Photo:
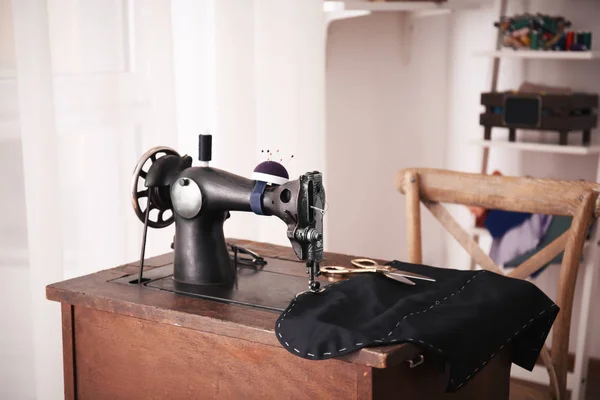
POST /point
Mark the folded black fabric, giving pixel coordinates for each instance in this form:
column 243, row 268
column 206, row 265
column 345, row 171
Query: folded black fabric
column 466, row 317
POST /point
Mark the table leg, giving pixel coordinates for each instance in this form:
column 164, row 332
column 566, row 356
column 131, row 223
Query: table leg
column 68, row 336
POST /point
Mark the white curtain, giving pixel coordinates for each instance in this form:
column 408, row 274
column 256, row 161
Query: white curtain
column 257, row 83
column 85, row 87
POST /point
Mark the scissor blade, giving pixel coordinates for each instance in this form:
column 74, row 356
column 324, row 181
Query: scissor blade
column 412, row 275
column 399, row 278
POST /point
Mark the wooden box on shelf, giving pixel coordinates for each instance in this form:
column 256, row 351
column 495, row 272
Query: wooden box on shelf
column 562, row 113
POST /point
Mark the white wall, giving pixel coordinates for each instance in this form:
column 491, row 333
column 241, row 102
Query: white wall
column 386, row 110
column 469, row 76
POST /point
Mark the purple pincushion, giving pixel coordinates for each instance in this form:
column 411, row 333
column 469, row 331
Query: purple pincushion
column 270, row 172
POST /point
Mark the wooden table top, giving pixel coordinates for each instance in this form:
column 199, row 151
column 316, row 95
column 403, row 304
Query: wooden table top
column 231, row 320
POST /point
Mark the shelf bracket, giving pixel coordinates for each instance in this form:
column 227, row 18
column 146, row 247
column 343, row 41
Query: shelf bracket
column 336, row 10
column 406, row 33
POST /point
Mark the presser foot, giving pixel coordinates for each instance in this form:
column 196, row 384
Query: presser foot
column 313, row 271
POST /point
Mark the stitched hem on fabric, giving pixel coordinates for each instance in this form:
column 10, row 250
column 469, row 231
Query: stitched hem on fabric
column 410, row 340
column 384, row 339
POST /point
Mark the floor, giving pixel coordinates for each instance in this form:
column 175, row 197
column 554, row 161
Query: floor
column 522, row 390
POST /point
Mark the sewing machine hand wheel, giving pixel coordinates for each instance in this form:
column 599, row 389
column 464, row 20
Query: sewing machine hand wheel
column 153, row 194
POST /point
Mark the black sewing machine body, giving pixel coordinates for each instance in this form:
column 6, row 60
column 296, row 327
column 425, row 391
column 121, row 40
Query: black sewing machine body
column 201, row 254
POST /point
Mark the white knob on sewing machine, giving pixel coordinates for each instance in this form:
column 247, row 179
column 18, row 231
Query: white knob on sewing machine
column 186, row 197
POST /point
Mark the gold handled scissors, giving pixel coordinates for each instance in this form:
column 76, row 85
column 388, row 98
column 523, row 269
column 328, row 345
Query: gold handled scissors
column 367, row 265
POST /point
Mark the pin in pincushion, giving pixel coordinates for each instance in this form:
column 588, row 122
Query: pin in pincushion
column 270, row 172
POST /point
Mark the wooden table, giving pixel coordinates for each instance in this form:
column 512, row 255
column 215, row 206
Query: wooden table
column 131, row 342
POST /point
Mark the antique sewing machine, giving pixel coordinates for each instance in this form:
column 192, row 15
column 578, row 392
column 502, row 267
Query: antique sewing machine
column 130, row 333
column 166, row 189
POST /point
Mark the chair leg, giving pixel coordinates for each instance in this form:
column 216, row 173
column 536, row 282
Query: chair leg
column 413, row 217
column 566, row 286
column 581, row 351
column 547, row 359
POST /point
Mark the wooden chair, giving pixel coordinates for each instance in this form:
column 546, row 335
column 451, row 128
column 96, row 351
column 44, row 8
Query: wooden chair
column 543, row 196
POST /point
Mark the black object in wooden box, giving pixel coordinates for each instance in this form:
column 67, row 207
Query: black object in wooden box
column 562, row 113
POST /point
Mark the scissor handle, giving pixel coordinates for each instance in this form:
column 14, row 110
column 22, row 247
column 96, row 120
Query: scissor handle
column 364, row 263
column 334, row 269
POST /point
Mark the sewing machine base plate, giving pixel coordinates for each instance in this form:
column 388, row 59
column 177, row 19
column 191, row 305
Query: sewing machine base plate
column 255, row 288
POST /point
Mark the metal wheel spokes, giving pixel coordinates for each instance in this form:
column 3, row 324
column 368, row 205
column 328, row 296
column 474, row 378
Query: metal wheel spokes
column 161, row 217
column 140, row 191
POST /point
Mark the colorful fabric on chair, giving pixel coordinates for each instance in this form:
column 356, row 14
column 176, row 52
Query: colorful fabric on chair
column 520, row 239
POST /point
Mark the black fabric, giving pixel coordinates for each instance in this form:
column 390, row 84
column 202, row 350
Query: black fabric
column 466, row 317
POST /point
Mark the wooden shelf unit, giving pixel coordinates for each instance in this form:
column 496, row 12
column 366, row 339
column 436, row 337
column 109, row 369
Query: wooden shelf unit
column 576, row 380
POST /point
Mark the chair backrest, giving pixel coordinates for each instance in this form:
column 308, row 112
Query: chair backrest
column 541, row 196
